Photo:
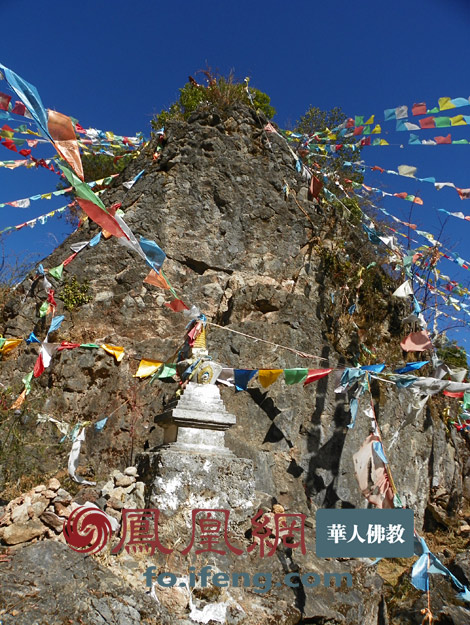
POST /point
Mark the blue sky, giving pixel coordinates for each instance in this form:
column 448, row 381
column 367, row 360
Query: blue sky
column 114, row 65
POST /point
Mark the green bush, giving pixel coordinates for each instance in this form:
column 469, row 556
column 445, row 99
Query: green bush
column 221, row 92
column 452, row 354
column 74, row 294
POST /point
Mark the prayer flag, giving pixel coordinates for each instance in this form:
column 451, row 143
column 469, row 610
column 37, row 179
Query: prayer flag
column 156, row 279
column 64, row 140
column 114, row 350
column 316, row 374
column 147, row 367
column 267, row 377
column 293, row 376
column 177, row 305
column 242, row 377
column 445, row 104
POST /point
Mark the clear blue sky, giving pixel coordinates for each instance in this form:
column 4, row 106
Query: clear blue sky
column 113, row 65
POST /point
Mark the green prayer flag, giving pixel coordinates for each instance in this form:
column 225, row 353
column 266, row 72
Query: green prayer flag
column 294, row 376
column 442, row 122
column 43, row 309
column 433, row 111
column 358, row 120
column 168, row 371
column 27, row 381
column 460, row 142
column 56, row 272
column 466, row 401
column 90, row 345
column 366, row 130
column 81, row 188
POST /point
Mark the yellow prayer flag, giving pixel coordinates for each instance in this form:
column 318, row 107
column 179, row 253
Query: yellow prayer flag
column 377, row 129
column 370, row 120
column 147, row 367
column 46, row 196
column 383, row 142
column 114, row 350
column 9, row 344
column 445, row 104
column 332, row 136
column 266, row 377
column 458, row 120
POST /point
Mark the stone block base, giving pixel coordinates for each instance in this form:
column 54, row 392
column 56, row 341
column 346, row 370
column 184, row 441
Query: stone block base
column 179, row 482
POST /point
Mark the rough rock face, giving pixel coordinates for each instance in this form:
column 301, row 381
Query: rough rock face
column 259, row 263
column 49, row 584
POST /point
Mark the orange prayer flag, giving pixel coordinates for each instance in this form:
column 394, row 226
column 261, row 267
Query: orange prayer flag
column 157, row 280
column 65, row 142
column 19, row 401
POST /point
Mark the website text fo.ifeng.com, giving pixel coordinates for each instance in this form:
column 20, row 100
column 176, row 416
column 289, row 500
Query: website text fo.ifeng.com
column 258, row 582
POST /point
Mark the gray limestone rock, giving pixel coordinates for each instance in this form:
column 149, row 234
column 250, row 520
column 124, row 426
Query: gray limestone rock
column 255, row 263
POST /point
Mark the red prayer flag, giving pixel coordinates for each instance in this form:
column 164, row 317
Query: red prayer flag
column 443, row 140
column 315, row 187
column 177, row 305
column 377, row 168
column 315, row 374
column 38, row 367
column 419, row 109
column 112, row 209
column 427, row 122
column 350, row 123
column 25, row 152
column 19, row 108
column 416, row 342
column 101, row 217
column 67, row 345
column 50, row 297
column 69, row 259
column 4, row 101
column 358, row 130
column 450, row 394
column 401, row 195
column 8, row 143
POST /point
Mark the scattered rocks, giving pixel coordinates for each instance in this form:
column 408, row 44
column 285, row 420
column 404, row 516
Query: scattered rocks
column 17, row 533
column 53, row 484
column 125, row 480
column 40, row 514
column 52, row 520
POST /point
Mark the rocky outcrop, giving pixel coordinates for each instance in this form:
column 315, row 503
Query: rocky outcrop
column 264, row 264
